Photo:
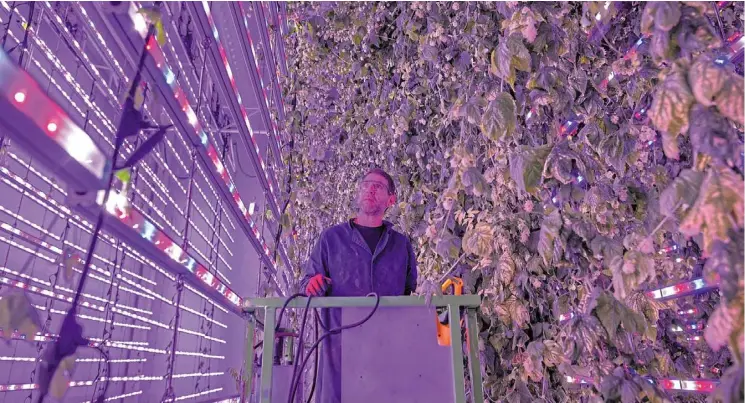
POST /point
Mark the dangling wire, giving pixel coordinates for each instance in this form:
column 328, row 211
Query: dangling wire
column 71, row 333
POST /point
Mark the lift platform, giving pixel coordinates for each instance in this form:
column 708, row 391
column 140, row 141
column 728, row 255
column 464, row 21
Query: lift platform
column 393, row 357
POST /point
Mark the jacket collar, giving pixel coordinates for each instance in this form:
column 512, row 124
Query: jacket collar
column 386, row 224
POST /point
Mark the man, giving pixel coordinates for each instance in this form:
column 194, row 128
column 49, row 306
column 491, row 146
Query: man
column 355, row 258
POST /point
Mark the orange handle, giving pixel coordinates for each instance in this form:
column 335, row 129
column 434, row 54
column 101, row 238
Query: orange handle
column 454, row 282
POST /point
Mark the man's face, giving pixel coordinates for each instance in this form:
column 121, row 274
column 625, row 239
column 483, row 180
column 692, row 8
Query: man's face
column 373, row 195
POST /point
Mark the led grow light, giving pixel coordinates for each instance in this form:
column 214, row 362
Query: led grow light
column 701, row 385
column 28, row 122
column 159, row 59
column 683, row 289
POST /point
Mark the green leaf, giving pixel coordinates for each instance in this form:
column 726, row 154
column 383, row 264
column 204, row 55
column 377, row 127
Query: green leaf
column 660, row 46
column 474, row 182
column 124, row 175
column 448, row 246
column 549, row 232
column 526, row 167
column 499, row 118
column 670, row 145
column 729, row 101
column 667, row 15
column 706, row 79
column 647, row 23
column 669, row 109
column 524, row 22
column 612, row 314
column 18, row 314
column 679, row 197
column 506, row 268
column 286, row 222
column 510, row 55
column 633, row 270
column 612, row 148
column 722, row 322
column 718, row 208
column 479, row 240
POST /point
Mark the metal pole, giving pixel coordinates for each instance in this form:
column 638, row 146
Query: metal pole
column 456, row 347
column 474, row 367
column 248, row 370
column 185, row 244
column 267, row 358
column 169, row 394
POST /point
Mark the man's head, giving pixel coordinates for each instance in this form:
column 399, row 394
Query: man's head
column 375, row 193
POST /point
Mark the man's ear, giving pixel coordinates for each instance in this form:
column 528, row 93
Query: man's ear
column 391, row 200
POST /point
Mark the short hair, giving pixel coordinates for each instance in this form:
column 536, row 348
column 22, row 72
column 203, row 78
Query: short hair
column 388, row 178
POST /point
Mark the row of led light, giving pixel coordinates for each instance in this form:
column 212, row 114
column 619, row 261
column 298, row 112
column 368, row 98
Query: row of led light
column 120, row 344
column 182, row 306
column 214, row 283
column 137, row 378
column 49, row 337
column 122, row 396
column 699, row 284
column 255, row 60
column 132, row 218
column 198, row 394
column 116, row 306
column 45, row 197
column 93, row 318
column 84, row 96
column 121, row 72
column 109, row 125
column 185, row 73
column 704, row 386
column 108, row 262
column 157, row 53
column 43, row 177
column 20, row 97
column 276, row 62
column 666, row 292
column 59, row 287
column 47, row 74
column 245, row 116
column 113, row 361
column 59, row 253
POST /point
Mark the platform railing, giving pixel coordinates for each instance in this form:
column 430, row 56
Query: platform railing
column 453, row 303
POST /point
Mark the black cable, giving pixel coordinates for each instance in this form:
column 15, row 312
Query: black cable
column 315, row 358
column 296, row 381
column 102, row 396
column 300, row 341
column 70, row 335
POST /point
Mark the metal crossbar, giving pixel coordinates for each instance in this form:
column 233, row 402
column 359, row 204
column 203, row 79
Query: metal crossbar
column 453, row 303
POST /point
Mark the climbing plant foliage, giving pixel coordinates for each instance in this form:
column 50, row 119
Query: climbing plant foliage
column 563, row 158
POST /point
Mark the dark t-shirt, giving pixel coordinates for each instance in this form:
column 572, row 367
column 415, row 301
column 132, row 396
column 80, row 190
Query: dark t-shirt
column 371, row 234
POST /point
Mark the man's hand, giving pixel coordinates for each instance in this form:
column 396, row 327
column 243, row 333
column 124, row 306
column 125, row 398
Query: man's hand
column 317, row 286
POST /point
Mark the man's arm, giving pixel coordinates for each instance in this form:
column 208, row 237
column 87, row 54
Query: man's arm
column 316, row 263
column 411, row 271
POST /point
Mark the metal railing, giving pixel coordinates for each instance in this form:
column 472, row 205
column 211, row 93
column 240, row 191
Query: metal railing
column 453, row 303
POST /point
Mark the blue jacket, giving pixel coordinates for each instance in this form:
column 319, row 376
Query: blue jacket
column 342, row 255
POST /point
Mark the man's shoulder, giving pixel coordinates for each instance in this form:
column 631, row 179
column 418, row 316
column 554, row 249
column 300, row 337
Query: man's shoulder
column 335, row 230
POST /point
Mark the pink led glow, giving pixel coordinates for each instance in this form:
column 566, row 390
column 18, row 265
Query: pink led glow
column 20, row 97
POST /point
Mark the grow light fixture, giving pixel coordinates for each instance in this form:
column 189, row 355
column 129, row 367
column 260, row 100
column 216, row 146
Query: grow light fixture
column 695, row 385
column 46, row 131
column 175, row 98
column 42, row 128
column 683, row 289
